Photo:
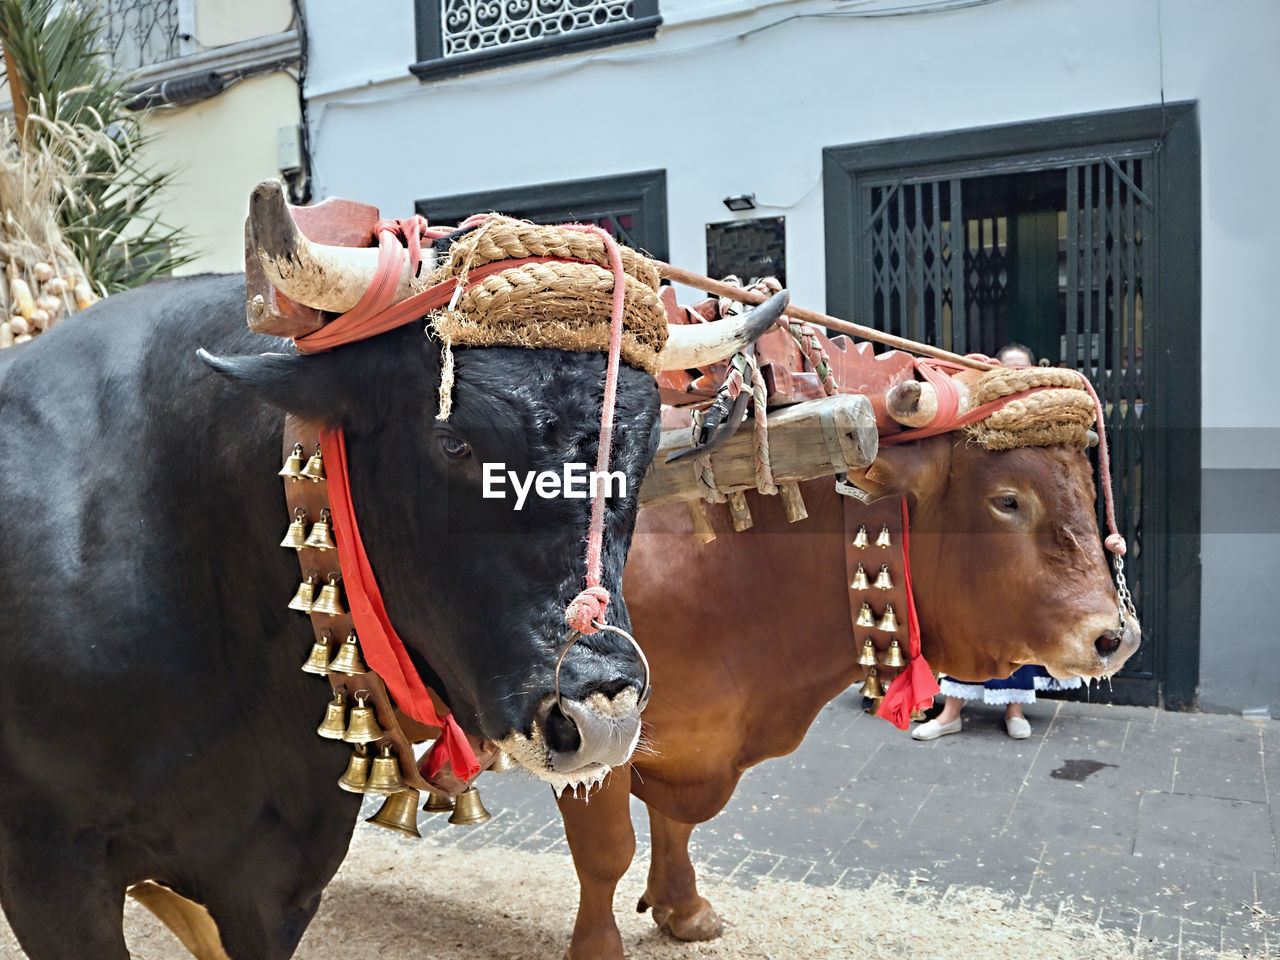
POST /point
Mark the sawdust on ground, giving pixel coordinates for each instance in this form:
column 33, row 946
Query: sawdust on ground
column 416, row 900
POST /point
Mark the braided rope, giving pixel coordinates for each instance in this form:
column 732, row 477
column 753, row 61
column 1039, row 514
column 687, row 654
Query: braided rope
column 763, row 461
column 503, row 238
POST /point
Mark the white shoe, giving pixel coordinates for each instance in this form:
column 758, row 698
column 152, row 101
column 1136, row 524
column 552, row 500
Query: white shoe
column 932, row 729
column 1018, row 727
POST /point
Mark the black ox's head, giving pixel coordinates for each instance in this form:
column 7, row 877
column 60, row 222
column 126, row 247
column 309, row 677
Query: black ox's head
column 476, row 550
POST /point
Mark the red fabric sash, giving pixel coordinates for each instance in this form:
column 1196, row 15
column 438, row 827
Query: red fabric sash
column 382, row 647
column 914, row 688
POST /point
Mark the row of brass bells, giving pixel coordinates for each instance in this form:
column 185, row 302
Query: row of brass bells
column 468, row 810
column 319, row 538
column 860, row 581
column 438, row 803
column 348, row 660
column 357, row 774
column 868, row 656
column 883, row 539
column 399, row 812
column 293, row 468
column 328, row 602
column 888, row 623
column 871, row 688
column 866, row 618
column 363, row 725
column 893, row 656
column 305, row 597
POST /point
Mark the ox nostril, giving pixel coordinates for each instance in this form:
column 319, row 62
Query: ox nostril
column 560, row 732
column 611, row 688
column 1107, row 644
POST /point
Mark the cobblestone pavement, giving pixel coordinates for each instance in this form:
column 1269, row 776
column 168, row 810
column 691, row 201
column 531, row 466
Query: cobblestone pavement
column 1162, row 825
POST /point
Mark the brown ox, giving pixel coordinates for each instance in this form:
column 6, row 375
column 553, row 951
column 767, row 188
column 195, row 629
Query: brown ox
column 750, row 635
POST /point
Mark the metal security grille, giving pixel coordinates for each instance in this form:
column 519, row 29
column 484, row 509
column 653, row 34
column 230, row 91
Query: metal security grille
column 951, row 261
column 139, row 33
column 1105, row 258
column 468, row 26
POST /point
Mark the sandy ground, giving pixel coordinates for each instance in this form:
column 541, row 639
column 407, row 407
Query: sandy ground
column 415, row 900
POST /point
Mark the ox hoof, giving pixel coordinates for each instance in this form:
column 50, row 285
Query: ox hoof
column 703, row 924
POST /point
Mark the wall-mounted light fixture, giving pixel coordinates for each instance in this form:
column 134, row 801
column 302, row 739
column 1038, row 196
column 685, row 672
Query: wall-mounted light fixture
column 743, row 201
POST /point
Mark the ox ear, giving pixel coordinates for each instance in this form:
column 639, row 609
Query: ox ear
column 313, row 387
column 918, row 468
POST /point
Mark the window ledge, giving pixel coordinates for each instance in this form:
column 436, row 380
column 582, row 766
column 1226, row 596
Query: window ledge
column 248, row 55
column 643, row 28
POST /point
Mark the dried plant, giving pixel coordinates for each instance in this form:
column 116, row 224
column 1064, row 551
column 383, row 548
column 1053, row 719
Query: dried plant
column 82, row 146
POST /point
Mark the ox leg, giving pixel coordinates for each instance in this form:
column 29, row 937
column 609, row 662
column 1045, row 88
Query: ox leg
column 602, row 842
column 62, row 906
column 672, row 890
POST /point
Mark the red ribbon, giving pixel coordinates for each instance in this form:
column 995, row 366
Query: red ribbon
column 383, row 649
column 914, row 688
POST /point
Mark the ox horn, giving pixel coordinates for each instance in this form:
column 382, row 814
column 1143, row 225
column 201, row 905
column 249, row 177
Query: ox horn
column 313, row 274
column 691, row 345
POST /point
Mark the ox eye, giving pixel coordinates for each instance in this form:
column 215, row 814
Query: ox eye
column 454, row 447
column 1005, row 504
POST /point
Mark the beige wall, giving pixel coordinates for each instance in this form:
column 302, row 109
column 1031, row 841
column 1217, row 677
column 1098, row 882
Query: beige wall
column 220, row 149
column 220, row 22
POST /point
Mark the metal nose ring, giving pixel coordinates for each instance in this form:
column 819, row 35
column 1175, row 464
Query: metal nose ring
column 576, row 635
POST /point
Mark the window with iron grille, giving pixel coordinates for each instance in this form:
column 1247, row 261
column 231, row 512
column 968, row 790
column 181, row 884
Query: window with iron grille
column 141, row 33
column 631, row 206
column 459, row 36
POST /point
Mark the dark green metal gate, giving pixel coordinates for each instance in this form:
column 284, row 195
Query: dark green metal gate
column 1058, row 249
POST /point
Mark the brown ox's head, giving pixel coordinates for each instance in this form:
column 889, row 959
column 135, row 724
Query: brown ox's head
column 1007, row 566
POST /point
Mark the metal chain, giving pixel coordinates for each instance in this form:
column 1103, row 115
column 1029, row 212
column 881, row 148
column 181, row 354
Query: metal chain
column 1127, row 608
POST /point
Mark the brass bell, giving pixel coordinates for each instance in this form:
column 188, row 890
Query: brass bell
column 860, row 541
column 328, row 602
column 438, row 803
column 859, row 581
column 468, row 810
column 501, row 763
column 292, row 469
column 357, row 774
column 318, row 662
column 348, row 660
column 871, row 688
column 399, row 812
column 865, row 617
column 314, row 470
column 363, row 725
column 319, row 537
column 384, row 777
column 296, row 536
column 893, row 657
column 882, row 539
column 882, row 578
column 334, row 724
column 888, row 623
column 868, row 657
column 305, row 597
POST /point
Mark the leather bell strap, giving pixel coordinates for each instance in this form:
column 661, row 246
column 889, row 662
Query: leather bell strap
column 391, row 681
column 914, row 687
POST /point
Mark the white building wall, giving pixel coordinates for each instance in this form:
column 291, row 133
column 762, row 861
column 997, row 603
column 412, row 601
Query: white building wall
column 736, row 98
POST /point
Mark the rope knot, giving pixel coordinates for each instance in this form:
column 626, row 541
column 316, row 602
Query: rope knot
column 1115, row 544
column 586, row 608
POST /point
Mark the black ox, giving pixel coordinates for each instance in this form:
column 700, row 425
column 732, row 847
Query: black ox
column 154, row 723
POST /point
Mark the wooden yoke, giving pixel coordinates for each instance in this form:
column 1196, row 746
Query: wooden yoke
column 337, row 222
